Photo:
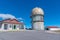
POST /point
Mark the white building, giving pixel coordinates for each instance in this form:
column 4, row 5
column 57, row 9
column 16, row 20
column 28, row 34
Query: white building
column 10, row 24
column 37, row 17
column 52, row 28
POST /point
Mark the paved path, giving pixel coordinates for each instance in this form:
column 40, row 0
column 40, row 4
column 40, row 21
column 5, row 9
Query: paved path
column 29, row 35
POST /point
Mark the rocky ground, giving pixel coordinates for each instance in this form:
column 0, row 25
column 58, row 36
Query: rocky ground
column 29, row 35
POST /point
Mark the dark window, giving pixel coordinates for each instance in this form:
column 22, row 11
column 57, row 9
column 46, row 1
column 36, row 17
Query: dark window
column 0, row 25
column 21, row 26
column 5, row 26
column 10, row 26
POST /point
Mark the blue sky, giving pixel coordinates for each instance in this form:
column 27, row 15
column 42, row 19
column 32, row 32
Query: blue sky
column 23, row 8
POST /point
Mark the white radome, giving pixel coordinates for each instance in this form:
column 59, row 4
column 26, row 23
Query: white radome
column 37, row 10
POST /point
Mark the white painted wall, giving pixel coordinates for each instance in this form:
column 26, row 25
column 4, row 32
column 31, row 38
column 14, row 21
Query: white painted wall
column 54, row 29
column 17, row 26
column 10, row 28
column 2, row 28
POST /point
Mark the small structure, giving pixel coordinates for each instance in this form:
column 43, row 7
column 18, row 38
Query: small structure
column 52, row 28
column 11, row 24
column 37, row 17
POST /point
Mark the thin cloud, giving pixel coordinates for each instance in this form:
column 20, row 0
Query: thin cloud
column 20, row 18
column 6, row 16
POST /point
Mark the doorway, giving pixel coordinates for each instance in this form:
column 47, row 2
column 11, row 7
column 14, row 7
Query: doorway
column 14, row 26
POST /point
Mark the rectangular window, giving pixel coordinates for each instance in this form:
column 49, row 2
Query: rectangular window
column 10, row 25
column 21, row 27
column 0, row 25
column 5, row 26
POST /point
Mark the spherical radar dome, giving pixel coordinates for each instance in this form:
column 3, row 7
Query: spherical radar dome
column 37, row 10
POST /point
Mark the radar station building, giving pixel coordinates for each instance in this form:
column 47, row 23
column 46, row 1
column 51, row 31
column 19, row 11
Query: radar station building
column 37, row 18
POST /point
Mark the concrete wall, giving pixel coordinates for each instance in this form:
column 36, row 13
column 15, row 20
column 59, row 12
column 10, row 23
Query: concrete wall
column 38, row 25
